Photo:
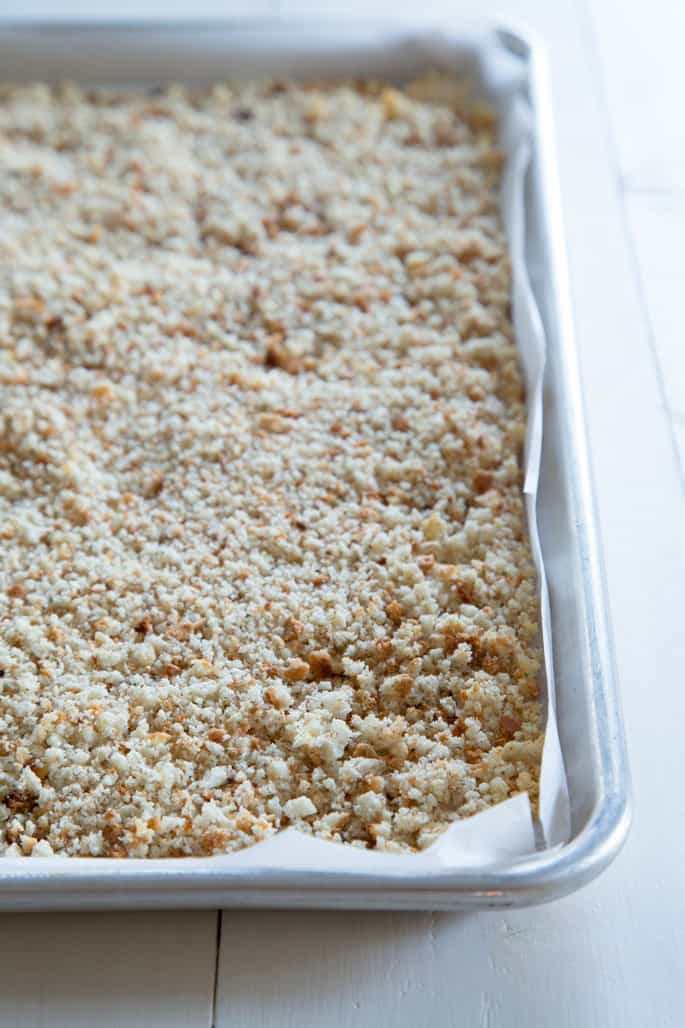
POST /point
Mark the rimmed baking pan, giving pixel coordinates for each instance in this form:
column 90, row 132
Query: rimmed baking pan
column 589, row 719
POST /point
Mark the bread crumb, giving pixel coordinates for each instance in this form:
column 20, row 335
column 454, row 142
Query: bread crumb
column 264, row 543
column 300, row 806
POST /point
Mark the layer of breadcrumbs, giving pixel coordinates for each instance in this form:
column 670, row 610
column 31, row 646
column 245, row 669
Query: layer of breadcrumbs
column 265, row 560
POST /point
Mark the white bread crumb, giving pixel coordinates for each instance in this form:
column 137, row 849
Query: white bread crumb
column 264, row 545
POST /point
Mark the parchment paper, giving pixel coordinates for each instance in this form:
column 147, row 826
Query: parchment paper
column 506, row 830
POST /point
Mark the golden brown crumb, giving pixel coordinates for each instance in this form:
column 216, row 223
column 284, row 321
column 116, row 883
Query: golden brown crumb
column 264, row 545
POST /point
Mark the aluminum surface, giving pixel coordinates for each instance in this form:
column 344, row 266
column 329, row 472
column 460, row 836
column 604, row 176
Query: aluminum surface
column 589, row 716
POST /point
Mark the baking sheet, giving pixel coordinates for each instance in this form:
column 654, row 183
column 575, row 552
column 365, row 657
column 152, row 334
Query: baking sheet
column 506, row 830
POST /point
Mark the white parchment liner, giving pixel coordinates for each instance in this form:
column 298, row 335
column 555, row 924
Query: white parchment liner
column 506, row 830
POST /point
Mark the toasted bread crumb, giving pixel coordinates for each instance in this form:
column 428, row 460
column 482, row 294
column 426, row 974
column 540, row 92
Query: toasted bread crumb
column 264, row 545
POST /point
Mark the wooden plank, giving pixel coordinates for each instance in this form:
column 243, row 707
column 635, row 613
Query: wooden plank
column 541, row 967
column 641, row 50
column 657, row 221
column 315, row 969
column 115, row 970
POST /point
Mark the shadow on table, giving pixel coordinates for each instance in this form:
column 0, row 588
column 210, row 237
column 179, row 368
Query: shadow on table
column 323, row 967
column 145, row 969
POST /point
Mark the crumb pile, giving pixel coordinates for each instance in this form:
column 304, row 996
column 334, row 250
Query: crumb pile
column 264, row 550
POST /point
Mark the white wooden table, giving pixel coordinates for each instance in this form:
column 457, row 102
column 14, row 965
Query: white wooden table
column 613, row 955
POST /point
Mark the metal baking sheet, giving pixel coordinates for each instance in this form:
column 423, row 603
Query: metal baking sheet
column 588, row 714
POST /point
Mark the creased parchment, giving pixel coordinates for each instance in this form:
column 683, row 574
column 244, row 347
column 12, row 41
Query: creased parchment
column 506, row 830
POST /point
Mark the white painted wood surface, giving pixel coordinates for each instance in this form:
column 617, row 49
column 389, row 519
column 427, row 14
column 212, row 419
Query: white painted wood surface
column 612, row 955
column 641, row 47
column 123, row 970
column 657, row 222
